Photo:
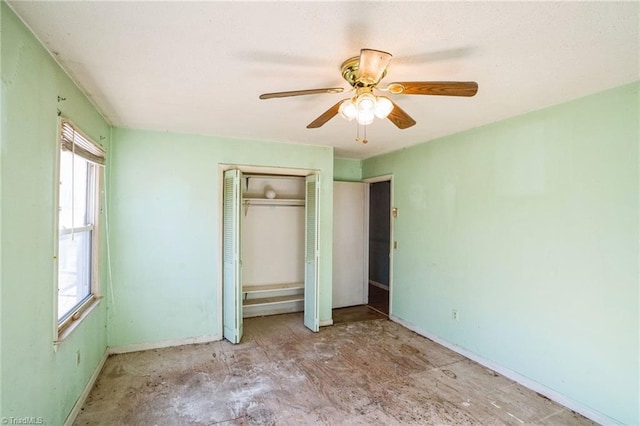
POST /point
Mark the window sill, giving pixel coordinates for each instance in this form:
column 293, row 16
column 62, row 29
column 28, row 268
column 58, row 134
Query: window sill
column 83, row 312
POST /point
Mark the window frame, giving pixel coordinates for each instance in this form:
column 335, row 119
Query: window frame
column 64, row 326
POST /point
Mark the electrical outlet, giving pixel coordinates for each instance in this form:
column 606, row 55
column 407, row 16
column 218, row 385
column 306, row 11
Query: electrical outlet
column 78, row 358
column 454, row 314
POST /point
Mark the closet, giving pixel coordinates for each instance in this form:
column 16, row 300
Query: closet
column 272, row 244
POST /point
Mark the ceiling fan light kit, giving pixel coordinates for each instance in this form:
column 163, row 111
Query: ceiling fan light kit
column 363, row 73
column 364, row 107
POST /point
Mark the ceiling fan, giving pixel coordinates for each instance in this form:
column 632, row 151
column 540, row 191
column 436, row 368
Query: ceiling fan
column 363, row 73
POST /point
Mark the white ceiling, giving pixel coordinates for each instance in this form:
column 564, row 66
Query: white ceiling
column 198, row 67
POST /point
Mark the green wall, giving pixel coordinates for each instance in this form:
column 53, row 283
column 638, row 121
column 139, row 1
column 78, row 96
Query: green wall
column 164, row 222
column 36, row 381
column 529, row 228
column 347, row 169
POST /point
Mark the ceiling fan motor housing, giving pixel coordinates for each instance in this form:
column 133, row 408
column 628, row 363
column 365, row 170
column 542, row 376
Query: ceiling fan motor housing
column 367, row 69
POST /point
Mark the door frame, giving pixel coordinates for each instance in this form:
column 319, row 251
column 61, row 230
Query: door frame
column 368, row 182
column 250, row 169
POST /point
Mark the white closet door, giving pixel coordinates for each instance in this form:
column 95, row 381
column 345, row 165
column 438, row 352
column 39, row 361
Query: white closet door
column 311, row 302
column 349, row 278
column 231, row 272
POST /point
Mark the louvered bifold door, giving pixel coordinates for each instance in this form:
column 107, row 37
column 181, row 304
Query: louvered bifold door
column 312, row 253
column 231, row 272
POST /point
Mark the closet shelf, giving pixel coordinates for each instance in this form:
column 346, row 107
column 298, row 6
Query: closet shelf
column 273, row 202
column 271, row 287
column 263, row 301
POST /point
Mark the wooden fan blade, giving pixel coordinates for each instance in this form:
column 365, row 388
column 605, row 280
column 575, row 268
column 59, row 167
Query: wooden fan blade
column 439, row 88
column 326, row 116
column 301, row 92
column 400, row 118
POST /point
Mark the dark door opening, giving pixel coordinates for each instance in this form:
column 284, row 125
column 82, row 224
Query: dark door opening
column 379, row 245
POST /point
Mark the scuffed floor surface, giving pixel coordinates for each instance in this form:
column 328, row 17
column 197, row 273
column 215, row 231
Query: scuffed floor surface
column 360, row 373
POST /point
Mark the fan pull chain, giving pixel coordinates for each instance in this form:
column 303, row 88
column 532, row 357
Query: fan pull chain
column 364, row 129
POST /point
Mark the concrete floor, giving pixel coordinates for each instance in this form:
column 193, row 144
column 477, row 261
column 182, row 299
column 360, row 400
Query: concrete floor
column 368, row 372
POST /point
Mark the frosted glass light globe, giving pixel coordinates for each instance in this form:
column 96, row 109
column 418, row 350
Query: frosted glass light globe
column 366, row 102
column 383, row 107
column 348, row 110
column 365, row 117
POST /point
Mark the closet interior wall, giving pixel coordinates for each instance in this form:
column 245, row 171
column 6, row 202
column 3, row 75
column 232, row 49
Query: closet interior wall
column 272, row 247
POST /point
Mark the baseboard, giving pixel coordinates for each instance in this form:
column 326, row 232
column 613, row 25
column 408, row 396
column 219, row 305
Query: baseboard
column 162, row 344
column 516, row 377
column 379, row 285
column 85, row 392
column 324, row 323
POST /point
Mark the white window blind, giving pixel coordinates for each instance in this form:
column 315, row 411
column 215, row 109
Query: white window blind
column 73, row 140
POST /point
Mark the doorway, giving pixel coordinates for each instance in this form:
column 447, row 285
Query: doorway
column 380, row 245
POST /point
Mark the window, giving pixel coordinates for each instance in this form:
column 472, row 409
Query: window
column 80, row 169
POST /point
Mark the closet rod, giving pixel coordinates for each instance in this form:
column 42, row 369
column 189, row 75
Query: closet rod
column 272, row 202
